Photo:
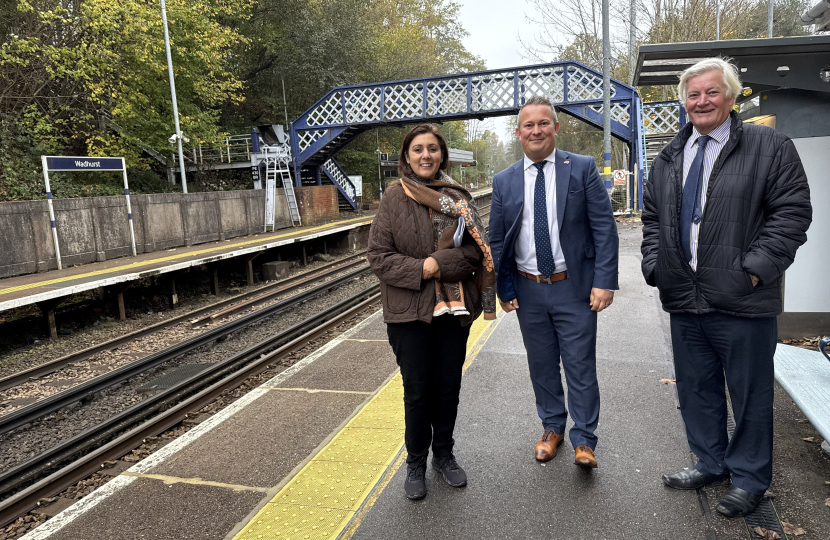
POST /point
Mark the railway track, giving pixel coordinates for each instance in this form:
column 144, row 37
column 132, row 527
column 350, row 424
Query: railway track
column 51, row 472
column 225, row 307
column 86, row 389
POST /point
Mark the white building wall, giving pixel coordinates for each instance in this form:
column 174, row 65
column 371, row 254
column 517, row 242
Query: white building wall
column 807, row 281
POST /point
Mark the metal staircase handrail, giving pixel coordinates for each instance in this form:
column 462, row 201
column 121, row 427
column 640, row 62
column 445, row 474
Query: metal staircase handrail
column 338, row 176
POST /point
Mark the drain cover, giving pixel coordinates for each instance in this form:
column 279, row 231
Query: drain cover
column 765, row 515
column 171, row 378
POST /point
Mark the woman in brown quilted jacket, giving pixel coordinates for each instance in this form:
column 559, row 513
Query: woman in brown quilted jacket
column 428, row 248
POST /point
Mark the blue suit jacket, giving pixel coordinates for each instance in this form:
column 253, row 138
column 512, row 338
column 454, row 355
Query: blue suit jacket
column 587, row 230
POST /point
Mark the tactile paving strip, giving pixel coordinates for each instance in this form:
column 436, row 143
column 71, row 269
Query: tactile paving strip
column 363, row 445
column 282, row 521
column 323, row 497
column 330, row 484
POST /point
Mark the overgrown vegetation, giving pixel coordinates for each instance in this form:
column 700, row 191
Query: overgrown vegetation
column 89, row 77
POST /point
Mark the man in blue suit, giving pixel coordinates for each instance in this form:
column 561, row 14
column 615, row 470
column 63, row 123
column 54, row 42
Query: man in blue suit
column 555, row 248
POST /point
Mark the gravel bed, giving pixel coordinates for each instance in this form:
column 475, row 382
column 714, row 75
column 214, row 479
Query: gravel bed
column 30, row 521
column 104, row 361
column 28, row 441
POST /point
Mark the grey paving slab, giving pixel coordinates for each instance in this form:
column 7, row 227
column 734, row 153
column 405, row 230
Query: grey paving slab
column 151, row 510
column 263, row 442
column 510, row 495
column 353, row 365
column 374, row 329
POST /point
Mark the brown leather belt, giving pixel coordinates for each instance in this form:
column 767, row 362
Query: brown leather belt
column 545, row 279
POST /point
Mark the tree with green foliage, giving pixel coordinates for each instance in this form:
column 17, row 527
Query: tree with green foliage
column 90, row 77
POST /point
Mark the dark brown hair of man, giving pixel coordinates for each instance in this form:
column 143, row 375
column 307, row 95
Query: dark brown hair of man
column 403, row 167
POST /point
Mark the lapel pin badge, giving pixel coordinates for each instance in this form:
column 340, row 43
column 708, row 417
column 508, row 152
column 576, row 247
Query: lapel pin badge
column 567, row 161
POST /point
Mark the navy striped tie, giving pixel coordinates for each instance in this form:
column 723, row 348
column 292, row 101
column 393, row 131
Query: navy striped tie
column 690, row 209
column 541, row 232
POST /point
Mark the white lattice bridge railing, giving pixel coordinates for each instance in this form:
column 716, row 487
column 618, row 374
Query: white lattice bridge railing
column 663, row 118
column 336, row 173
column 348, row 110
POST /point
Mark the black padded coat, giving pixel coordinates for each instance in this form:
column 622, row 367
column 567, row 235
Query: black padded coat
column 756, row 216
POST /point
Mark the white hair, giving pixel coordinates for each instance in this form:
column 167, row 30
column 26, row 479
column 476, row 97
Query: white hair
column 730, row 76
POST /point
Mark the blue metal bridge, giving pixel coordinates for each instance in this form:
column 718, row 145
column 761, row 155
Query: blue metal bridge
column 346, row 111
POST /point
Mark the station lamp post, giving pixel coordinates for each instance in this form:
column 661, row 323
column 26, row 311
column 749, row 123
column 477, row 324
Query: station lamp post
column 178, row 134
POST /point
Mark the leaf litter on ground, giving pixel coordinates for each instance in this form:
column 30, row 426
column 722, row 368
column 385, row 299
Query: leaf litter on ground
column 766, row 534
column 790, row 528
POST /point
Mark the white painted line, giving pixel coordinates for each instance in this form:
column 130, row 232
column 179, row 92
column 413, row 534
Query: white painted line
column 115, row 485
column 73, row 289
column 79, row 508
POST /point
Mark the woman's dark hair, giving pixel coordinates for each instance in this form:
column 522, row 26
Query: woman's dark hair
column 403, row 167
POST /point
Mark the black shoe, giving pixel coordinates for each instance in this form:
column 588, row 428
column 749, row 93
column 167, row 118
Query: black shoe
column 452, row 471
column 415, row 485
column 692, row 479
column 738, row 503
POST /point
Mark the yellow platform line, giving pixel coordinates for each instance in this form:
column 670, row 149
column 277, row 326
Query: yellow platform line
column 172, row 257
column 325, row 495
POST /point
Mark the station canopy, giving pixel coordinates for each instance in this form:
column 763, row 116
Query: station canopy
column 764, row 64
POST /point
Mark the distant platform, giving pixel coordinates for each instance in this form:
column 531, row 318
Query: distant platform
column 33, row 288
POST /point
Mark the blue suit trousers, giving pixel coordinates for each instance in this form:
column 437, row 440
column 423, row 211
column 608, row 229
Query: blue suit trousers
column 557, row 323
column 713, row 351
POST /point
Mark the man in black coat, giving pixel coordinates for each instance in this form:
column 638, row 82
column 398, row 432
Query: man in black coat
column 725, row 209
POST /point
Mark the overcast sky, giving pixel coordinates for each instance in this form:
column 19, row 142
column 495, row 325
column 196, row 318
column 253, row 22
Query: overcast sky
column 494, row 26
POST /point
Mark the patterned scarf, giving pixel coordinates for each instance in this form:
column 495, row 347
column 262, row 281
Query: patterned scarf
column 448, row 201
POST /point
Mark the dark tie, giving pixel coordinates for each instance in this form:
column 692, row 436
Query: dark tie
column 541, row 233
column 690, row 210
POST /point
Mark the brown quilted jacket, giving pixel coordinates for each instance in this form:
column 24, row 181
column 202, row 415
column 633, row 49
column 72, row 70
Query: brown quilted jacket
column 400, row 239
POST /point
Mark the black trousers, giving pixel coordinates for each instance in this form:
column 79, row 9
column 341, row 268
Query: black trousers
column 709, row 350
column 430, row 357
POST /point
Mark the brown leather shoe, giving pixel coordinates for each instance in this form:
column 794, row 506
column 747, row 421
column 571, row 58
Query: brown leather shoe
column 585, row 457
column 546, row 448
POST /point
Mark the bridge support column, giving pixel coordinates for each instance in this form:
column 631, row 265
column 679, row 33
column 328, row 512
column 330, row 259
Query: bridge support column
column 47, row 307
column 318, row 179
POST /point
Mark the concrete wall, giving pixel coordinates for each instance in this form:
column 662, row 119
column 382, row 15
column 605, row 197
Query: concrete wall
column 317, row 204
column 96, row 228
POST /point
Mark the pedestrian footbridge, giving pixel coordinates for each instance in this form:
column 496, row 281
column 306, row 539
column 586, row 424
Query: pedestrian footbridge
column 347, row 111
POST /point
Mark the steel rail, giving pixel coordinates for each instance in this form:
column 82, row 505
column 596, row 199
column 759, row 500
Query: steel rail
column 19, row 503
column 53, row 403
column 34, row 467
column 289, row 284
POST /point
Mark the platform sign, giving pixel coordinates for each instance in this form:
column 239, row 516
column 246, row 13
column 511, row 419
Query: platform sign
column 270, row 200
column 357, row 182
column 256, row 175
column 83, row 163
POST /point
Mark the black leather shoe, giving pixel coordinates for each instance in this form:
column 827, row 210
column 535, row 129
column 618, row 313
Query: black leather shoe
column 738, row 503
column 415, row 485
column 451, row 470
column 692, row 479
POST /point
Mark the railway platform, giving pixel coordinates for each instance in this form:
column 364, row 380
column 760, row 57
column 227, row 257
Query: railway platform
column 317, row 452
column 49, row 289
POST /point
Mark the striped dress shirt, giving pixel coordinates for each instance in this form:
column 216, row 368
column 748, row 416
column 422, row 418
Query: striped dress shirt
column 719, row 137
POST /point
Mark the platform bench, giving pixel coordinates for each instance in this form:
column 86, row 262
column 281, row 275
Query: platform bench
column 805, row 375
